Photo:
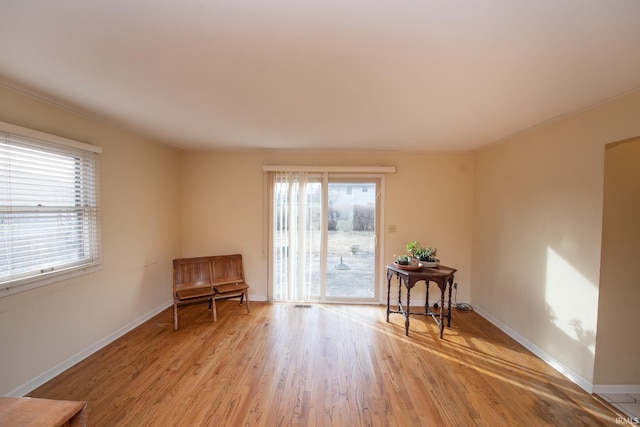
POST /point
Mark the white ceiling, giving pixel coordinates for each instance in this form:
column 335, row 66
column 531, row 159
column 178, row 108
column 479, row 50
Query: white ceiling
column 322, row 74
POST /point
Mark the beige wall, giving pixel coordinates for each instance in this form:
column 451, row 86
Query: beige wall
column 429, row 199
column 537, row 231
column 618, row 345
column 529, row 210
column 44, row 327
column 220, row 194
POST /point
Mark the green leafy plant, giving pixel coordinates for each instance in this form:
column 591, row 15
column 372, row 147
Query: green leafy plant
column 402, row 260
column 427, row 254
column 413, row 248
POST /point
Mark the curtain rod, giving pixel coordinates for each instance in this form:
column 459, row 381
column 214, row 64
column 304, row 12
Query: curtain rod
column 343, row 169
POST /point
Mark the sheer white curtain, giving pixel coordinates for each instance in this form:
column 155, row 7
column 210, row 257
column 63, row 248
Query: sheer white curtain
column 295, row 236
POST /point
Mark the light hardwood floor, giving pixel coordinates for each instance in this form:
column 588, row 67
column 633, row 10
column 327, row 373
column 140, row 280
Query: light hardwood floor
column 327, row 365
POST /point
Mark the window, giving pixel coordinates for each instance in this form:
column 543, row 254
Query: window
column 49, row 208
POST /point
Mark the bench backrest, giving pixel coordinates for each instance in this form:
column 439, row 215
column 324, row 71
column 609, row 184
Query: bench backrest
column 213, row 270
column 192, row 272
column 227, row 269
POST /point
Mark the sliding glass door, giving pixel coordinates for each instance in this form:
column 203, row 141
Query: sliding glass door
column 323, row 244
column 351, row 239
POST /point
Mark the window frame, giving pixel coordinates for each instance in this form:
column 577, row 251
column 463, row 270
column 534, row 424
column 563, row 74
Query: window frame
column 48, row 143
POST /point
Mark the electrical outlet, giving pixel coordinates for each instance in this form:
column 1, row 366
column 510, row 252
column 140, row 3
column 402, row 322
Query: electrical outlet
column 392, row 229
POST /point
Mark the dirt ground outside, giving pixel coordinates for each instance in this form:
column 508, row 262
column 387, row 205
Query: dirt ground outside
column 350, row 264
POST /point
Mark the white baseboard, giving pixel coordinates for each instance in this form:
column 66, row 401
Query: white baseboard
column 78, row 357
column 258, row 298
column 63, row 366
column 549, row 359
column 560, row 367
column 573, row 376
column 616, row 388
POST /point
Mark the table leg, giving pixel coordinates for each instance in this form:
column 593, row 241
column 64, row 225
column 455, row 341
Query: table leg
column 449, row 312
column 388, row 296
column 426, row 298
column 441, row 313
column 408, row 309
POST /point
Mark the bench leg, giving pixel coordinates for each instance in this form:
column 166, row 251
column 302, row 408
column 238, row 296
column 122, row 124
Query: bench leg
column 246, row 302
column 175, row 316
column 215, row 314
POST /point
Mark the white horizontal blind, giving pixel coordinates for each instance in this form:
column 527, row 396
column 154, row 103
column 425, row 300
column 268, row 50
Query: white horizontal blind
column 49, row 209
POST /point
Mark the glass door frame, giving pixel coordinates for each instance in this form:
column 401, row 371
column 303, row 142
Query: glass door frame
column 378, row 179
column 325, row 177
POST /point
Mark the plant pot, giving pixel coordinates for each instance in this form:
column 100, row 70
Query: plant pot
column 430, row 264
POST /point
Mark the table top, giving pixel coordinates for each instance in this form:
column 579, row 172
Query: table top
column 440, row 271
column 25, row 411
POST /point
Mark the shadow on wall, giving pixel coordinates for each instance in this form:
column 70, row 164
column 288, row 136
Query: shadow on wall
column 584, row 339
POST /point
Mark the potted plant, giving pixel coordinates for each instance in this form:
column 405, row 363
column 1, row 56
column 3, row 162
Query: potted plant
column 402, row 260
column 418, row 256
column 427, row 256
column 413, row 248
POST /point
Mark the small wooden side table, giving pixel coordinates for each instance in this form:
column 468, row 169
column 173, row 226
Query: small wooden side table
column 441, row 275
column 32, row 412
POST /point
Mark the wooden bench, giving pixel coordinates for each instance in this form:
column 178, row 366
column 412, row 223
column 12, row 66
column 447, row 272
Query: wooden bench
column 208, row 279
